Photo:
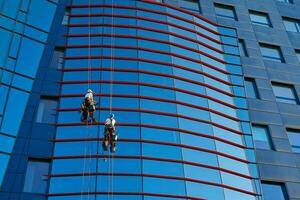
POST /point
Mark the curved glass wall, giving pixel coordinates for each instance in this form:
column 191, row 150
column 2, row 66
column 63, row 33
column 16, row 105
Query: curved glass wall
column 179, row 126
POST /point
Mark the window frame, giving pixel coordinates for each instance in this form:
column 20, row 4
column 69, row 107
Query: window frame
column 268, row 136
column 284, row 85
column 255, row 89
column 282, row 185
column 296, row 23
column 39, row 117
column 260, row 14
column 242, row 47
column 297, row 131
column 279, row 59
column 225, row 7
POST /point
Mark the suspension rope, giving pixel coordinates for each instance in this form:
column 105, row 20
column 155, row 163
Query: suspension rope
column 87, row 148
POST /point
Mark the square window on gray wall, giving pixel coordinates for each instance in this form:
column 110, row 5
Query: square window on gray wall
column 274, row 191
column 261, row 137
column 292, row 25
column 47, row 110
column 251, row 89
column 286, row 1
column 192, row 5
column 242, row 48
column 294, row 138
column 225, row 11
column 271, row 52
column 35, row 179
column 298, row 55
column 285, row 93
column 260, row 18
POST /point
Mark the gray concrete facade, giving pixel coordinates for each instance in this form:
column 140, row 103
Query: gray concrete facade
column 281, row 164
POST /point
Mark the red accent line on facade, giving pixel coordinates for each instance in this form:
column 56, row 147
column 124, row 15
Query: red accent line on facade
column 161, row 177
column 146, row 49
column 166, row 143
column 154, row 11
column 145, row 28
column 149, row 158
column 123, row 193
column 175, row 102
column 140, row 60
column 145, row 38
column 167, row 114
column 149, row 85
column 181, row 10
column 147, row 19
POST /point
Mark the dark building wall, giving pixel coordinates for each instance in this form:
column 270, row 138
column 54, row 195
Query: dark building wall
column 279, row 165
column 32, row 141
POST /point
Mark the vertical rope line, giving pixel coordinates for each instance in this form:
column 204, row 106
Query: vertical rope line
column 111, row 92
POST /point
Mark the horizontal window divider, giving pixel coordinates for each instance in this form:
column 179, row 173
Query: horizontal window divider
column 144, row 71
column 145, row 38
column 156, row 12
column 146, row 49
column 149, row 85
column 162, row 177
column 141, row 60
column 144, row 28
column 147, row 19
column 123, row 193
column 161, row 100
column 176, row 145
column 163, row 113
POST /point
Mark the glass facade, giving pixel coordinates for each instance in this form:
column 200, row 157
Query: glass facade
column 23, row 38
column 173, row 80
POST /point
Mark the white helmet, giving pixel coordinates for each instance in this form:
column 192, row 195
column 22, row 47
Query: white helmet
column 89, row 91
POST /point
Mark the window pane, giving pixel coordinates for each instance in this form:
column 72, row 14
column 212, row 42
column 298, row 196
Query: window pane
column 298, row 55
column 192, row 5
column 286, row 1
column 242, row 48
column 294, row 138
column 225, row 11
column 251, row 89
column 57, row 58
column 35, row 180
column 260, row 18
column 270, row 52
column 46, row 112
column 272, row 191
column 292, row 25
column 3, row 164
column 261, row 137
column 284, row 93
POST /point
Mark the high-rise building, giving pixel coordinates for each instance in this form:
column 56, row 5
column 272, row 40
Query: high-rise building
column 205, row 94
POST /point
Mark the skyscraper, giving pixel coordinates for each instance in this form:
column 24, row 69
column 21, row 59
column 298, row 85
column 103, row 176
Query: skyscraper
column 186, row 81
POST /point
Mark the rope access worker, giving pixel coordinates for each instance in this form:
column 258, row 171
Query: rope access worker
column 110, row 136
column 88, row 106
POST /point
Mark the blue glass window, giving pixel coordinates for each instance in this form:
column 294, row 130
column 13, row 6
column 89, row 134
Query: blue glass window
column 294, row 138
column 285, row 93
column 261, row 137
column 29, row 57
column 57, row 58
column 4, row 44
column 17, row 101
column 242, row 48
column 272, row 53
column 35, row 180
column 298, row 55
column 286, row 1
column 272, row 191
column 292, row 25
column 66, row 16
column 41, row 9
column 260, row 18
column 3, row 92
column 192, row 5
column 3, row 164
column 46, row 111
column 6, row 143
column 251, row 89
column 225, row 11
